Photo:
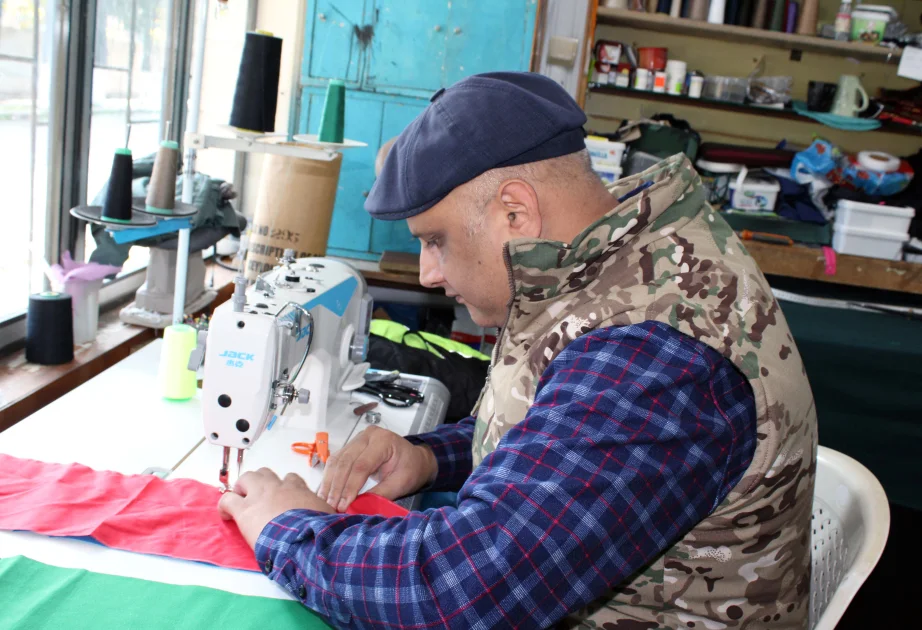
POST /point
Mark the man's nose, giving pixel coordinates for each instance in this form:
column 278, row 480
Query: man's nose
column 430, row 276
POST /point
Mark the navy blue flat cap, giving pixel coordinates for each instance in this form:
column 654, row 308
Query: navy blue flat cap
column 483, row 122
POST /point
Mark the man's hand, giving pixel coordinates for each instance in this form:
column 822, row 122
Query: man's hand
column 401, row 468
column 260, row 496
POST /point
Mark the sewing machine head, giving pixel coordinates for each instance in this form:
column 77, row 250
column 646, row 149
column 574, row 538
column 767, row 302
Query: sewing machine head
column 290, row 346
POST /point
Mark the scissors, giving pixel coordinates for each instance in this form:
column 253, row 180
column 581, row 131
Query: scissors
column 393, row 394
column 320, row 448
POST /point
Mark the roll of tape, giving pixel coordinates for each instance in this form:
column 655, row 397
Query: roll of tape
column 878, row 162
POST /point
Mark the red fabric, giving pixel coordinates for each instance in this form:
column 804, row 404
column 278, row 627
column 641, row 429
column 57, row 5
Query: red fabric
column 374, row 505
column 141, row 513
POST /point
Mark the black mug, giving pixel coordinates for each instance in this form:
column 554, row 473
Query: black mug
column 820, row 96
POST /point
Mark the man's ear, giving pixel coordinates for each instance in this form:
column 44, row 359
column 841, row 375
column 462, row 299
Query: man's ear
column 518, row 202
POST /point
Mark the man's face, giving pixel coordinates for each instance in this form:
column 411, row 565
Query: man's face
column 467, row 263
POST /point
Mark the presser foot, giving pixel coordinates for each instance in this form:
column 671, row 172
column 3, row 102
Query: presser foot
column 224, row 473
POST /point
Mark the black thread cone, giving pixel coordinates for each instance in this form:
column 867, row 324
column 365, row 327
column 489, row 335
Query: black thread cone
column 257, row 83
column 117, row 206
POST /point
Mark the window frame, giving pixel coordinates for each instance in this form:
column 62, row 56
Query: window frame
column 69, row 135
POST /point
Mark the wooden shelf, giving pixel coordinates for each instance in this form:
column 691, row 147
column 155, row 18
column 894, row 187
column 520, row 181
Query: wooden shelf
column 754, row 110
column 808, row 263
column 787, row 41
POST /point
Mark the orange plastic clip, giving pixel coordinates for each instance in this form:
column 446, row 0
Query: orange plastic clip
column 323, row 446
column 305, row 448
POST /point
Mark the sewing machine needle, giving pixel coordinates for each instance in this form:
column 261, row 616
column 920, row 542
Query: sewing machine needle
column 239, row 462
column 223, row 473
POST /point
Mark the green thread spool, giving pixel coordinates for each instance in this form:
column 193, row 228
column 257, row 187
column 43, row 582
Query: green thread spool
column 177, row 381
column 334, row 113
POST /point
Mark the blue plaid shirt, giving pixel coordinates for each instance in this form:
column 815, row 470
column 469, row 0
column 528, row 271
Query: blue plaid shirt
column 636, row 434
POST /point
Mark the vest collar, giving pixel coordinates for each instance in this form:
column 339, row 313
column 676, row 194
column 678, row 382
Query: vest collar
column 541, row 269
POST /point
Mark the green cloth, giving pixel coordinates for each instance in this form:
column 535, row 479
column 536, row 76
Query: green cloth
column 398, row 333
column 865, row 370
column 36, row 595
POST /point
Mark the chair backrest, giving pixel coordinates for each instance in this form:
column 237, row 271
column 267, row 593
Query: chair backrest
column 851, row 521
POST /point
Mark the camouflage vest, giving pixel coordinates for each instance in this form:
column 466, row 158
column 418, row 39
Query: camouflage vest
column 665, row 255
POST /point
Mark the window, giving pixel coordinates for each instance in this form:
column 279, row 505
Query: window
column 130, row 70
column 26, row 52
column 73, row 76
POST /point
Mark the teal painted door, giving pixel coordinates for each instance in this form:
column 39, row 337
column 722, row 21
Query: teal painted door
column 408, row 49
column 374, row 119
column 393, row 54
column 488, row 36
column 332, row 49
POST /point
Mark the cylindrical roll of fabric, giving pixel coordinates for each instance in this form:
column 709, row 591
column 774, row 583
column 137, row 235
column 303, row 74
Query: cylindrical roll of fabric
column 699, row 10
column 257, row 90
column 294, row 209
column 117, row 206
column 791, row 21
column 333, row 119
column 177, row 381
column 716, row 11
column 809, row 10
column 49, row 329
column 759, row 14
column 776, row 23
column 663, row 6
column 161, row 190
column 651, row 5
column 676, row 9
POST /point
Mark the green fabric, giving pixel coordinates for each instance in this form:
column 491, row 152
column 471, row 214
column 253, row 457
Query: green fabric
column 36, row 595
column 398, row 333
column 865, row 370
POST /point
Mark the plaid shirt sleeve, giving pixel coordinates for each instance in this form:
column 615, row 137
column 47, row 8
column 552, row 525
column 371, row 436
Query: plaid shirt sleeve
column 451, row 444
column 636, row 434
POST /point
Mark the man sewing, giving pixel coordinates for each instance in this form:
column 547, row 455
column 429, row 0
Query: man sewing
column 642, row 455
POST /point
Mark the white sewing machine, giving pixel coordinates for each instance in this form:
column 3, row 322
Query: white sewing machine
column 285, row 357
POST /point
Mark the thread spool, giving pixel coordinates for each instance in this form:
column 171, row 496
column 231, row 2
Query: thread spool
column 716, row 11
column 117, row 206
column 177, row 381
column 161, row 190
column 333, row 120
column 791, row 21
column 745, row 14
column 809, row 11
column 49, row 329
column 776, row 21
column 256, row 95
column 699, row 10
column 760, row 14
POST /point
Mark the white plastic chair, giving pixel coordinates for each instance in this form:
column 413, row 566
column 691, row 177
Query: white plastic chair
column 851, row 521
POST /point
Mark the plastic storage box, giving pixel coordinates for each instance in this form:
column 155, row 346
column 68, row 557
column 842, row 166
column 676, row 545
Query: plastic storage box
column 754, row 193
column 870, row 243
column 868, row 216
column 607, row 172
column 729, row 89
column 605, row 152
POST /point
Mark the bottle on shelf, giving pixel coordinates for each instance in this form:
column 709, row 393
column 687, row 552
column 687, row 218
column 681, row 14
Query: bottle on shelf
column 843, row 24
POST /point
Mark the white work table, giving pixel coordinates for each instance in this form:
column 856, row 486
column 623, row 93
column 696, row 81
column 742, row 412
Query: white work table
column 118, row 421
